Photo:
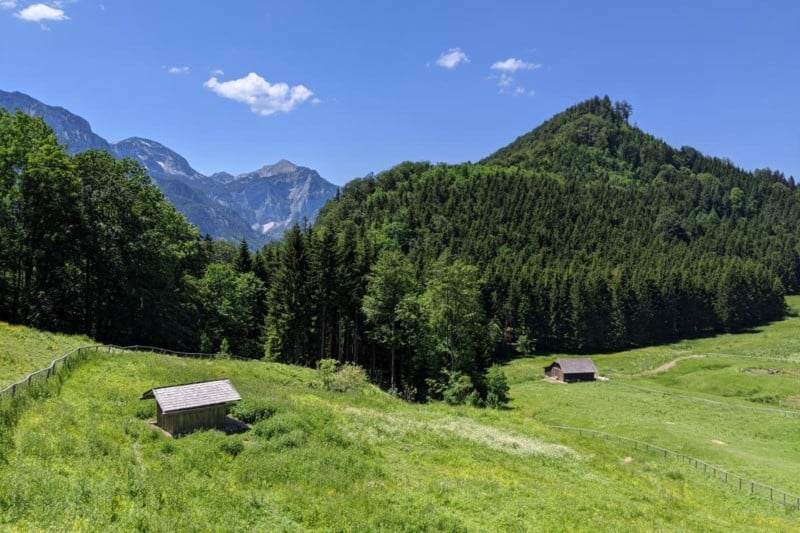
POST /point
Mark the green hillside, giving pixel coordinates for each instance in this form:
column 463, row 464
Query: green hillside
column 23, row 350
column 586, row 234
column 85, row 458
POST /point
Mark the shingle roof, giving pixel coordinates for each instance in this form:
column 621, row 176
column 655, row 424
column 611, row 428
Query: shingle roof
column 581, row 365
column 193, row 395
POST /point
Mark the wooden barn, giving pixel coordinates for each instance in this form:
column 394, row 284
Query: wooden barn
column 185, row 408
column 571, row 370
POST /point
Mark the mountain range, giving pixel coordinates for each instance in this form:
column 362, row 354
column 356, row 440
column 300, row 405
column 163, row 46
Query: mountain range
column 257, row 206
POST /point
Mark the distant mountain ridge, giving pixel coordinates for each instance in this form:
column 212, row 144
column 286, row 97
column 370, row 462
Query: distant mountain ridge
column 257, row 206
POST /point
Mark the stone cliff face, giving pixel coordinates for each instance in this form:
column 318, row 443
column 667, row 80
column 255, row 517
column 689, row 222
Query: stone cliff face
column 276, row 197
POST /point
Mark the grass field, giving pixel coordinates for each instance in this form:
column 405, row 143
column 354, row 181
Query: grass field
column 85, row 458
column 733, row 400
column 23, row 350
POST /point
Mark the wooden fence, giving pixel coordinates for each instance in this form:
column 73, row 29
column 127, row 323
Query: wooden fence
column 743, row 484
column 43, row 375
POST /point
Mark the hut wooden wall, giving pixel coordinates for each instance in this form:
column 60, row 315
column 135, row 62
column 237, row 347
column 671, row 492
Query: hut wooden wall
column 186, row 421
column 574, row 377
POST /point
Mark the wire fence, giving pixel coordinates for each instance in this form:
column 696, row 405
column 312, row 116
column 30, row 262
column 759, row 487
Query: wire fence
column 754, row 488
column 43, row 375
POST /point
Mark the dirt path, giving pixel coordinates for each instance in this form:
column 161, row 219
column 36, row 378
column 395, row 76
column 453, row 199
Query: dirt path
column 138, row 456
column 670, row 365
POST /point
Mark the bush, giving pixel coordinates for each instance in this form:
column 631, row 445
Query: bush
column 146, row 410
column 293, row 439
column 340, row 378
column 168, row 448
column 496, row 387
column 232, row 447
column 326, row 369
column 456, row 388
column 348, row 377
column 224, row 351
column 251, row 411
column 279, row 425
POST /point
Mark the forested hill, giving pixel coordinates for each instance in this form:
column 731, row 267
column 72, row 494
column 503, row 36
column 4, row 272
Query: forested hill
column 588, row 234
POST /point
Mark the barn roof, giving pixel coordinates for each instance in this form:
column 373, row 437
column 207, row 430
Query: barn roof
column 579, row 365
column 192, row 395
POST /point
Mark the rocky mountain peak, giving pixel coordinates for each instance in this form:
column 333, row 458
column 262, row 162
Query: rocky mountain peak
column 226, row 207
column 72, row 131
column 281, row 167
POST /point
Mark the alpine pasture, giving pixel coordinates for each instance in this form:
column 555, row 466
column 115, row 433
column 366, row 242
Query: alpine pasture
column 81, row 455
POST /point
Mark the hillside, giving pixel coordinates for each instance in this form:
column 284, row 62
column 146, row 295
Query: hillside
column 586, row 234
column 23, row 350
column 362, row 460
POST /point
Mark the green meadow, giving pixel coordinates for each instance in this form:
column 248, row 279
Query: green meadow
column 23, row 350
column 83, row 456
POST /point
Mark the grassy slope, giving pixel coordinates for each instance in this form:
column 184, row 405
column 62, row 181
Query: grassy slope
column 23, row 350
column 86, row 458
column 758, row 420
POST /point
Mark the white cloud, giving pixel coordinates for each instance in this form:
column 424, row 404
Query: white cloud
column 42, row 12
column 217, row 72
column 178, row 70
column 8, row 4
column 512, row 65
column 505, row 80
column 452, row 58
column 263, row 97
column 508, row 70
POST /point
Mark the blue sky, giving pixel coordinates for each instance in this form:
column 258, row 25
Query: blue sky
column 351, row 87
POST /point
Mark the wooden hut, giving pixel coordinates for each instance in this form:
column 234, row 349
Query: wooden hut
column 185, row 408
column 571, row 370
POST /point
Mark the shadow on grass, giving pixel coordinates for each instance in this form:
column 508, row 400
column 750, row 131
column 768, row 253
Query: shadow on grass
column 230, row 426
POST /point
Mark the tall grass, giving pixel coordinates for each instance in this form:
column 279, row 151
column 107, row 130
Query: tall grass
column 23, row 350
column 87, row 458
column 80, row 454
